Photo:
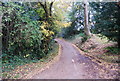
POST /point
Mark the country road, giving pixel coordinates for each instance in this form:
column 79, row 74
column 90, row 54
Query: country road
column 71, row 65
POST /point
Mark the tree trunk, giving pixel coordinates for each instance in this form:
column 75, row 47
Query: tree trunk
column 51, row 4
column 119, row 40
column 118, row 23
column 86, row 28
column 1, row 33
column 48, row 10
column 45, row 9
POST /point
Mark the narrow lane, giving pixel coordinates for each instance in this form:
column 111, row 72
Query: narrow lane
column 71, row 65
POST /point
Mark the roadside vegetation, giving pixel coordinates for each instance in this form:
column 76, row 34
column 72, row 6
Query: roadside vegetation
column 105, row 34
column 28, row 30
column 99, row 47
column 26, row 67
column 103, row 44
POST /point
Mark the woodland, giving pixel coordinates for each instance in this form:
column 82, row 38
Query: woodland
column 28, row 29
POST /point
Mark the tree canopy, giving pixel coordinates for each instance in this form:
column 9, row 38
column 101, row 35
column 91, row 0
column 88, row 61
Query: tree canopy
column 28, row 29
column 107, row 20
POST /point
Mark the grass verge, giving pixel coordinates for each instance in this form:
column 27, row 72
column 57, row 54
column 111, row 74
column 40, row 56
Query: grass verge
column 111, row 55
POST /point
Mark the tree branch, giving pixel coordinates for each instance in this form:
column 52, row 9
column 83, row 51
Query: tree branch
column 51, row 4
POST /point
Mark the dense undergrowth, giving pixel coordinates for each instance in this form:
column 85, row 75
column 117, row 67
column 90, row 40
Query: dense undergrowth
column 23, row 67
column 29, row 28
column 15, row 61
column 25, row 37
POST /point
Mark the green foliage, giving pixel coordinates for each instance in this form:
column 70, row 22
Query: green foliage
column 107, row 19
column 69, row 32
column 25, row 38
column 40, row 12
column 76, row 17
column 113, row 50
column 84, row 37
column 112, row 55
column 21, row 35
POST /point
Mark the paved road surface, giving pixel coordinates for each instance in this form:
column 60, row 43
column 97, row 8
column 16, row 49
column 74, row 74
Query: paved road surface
column 71, row 65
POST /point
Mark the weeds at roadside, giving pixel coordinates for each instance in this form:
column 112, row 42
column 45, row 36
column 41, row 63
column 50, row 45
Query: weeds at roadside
column 111, row 56
column 11, row 71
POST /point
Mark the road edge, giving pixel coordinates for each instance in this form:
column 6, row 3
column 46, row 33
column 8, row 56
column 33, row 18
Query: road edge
column 101, row 63
column 47, row 65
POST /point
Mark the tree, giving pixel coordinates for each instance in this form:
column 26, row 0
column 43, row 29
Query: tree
column 47, row 8
column 79, row 18
column 86, row 27
column 107, row 19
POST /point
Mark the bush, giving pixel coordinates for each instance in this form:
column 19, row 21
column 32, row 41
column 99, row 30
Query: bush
column 24, row 37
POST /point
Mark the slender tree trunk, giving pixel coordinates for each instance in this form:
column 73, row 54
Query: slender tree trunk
column 47, row 9
column 1, row 33
column 51, row 4
column 118, row 23
column 86, row 28
column 119, row 40
column 118, row 31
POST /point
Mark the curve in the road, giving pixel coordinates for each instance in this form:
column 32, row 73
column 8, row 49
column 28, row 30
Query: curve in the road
column 71, row 65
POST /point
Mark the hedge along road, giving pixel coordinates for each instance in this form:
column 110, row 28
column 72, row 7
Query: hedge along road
column 71, row 65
